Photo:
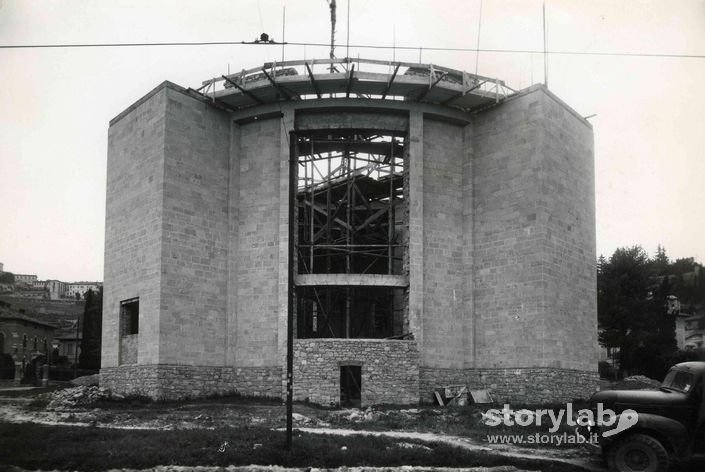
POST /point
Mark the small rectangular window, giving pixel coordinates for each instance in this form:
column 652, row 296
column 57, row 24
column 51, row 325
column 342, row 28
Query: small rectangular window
column 129, row 314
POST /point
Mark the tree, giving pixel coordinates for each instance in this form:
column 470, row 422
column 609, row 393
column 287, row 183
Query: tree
column 92, row 330
column 623, row 299
column 7, row 278
column 660, row 263
column 632, row 311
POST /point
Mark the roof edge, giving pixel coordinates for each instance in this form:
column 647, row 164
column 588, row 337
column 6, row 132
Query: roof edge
column 544, row 89
column 150, row 94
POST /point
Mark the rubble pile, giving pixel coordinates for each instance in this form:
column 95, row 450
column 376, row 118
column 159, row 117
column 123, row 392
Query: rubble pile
column 78, row 396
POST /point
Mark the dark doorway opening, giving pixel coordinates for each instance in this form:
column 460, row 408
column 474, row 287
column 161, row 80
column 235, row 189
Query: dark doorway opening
column 350, row 385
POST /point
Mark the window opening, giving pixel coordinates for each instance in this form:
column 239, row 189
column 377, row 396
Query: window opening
column 351, row 218
column 129, row 312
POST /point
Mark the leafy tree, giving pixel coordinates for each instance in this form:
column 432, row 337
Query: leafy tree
column 7, row 278
column 683, row 265
column 623, row 299
column 92, row 327
column 632, row 311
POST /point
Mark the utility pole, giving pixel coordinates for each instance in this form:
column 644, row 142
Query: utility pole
column 75, row 349
column 293, row 158
column 545, row 55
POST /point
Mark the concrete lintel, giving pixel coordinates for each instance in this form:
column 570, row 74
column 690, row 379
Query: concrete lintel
column 353, row 104
column 363, row 280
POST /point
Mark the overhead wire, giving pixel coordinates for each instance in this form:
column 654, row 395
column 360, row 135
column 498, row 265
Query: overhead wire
column 358, row 46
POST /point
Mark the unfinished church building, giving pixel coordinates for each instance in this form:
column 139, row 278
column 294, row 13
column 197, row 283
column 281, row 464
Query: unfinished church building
column 444, row 234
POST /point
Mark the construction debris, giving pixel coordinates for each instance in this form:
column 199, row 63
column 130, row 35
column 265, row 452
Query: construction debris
column 451, row 394
column 460, row 395
column 78, row 396
column 481, row 396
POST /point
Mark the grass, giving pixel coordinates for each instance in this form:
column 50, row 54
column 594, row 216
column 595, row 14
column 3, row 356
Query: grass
column 461, row 421
column 32, row 446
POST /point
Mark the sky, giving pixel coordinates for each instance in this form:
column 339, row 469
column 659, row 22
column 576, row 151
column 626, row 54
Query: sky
column 55, row 103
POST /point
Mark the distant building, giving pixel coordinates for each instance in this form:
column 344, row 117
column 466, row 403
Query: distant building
column 81, row 288
column 69, row 338
column 39, row 285
column 24, row 336
column 25, row 279
column 690, row 331
column 57, row 289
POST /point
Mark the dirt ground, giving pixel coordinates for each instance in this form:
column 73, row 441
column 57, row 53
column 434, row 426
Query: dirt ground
column 82, row 406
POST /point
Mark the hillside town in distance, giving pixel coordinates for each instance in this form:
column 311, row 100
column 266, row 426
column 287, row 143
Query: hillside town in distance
column 42, row 324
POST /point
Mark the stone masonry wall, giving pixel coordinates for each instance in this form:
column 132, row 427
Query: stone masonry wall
column 194, row 233
column 128, row 349
column 443, row 313
column 390, row 370
column 534, row 290
column 168, row 382
column 519, row 385
column 569, row 247
column 133, row 222
column 259, row 381
column 257, row 260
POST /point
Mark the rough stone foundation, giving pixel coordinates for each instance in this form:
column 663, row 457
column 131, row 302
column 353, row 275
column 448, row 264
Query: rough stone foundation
column 519, row 385
column 390, row 370
column 171, row 382
column 167, row 382
column 259, row 381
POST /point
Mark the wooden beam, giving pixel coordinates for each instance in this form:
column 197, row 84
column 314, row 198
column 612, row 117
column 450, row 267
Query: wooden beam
column 425, row 92
column 254, row 97
column 376, row 215
column 322, row 211
column 277, row 87
column 313, row 81
column 463, row 93
column 210, row 100
column 391, row 81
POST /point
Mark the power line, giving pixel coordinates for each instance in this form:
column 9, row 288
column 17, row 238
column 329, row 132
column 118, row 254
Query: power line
column 358, row 46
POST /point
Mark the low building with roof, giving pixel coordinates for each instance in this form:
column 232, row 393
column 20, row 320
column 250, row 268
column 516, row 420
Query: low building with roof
column 23, row 336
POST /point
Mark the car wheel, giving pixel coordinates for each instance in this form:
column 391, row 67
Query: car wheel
column 638, row 453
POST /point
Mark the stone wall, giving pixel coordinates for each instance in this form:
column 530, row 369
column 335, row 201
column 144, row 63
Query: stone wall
column 194, row 233
column 256, row 261
column 390, row 370
column 443, row 309
column 128, row 349
column 260, row 381
column 133, row 218
column 536, row 384
column 534, row 236
column 519, row 385
column 168, row 382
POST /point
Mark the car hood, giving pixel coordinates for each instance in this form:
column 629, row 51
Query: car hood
column 632, row 398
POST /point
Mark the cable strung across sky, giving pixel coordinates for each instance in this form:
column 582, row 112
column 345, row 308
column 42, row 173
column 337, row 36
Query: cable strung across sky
column 359, row 46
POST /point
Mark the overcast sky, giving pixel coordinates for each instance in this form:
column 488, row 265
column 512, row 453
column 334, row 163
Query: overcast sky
column 55, row 104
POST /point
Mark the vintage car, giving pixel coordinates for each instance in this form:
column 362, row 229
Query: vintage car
column 661, row 425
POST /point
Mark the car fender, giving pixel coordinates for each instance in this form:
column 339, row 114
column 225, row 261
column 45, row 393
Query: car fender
column 673, row 434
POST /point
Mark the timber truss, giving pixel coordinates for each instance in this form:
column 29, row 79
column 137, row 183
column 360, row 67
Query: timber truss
column 351, row 219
